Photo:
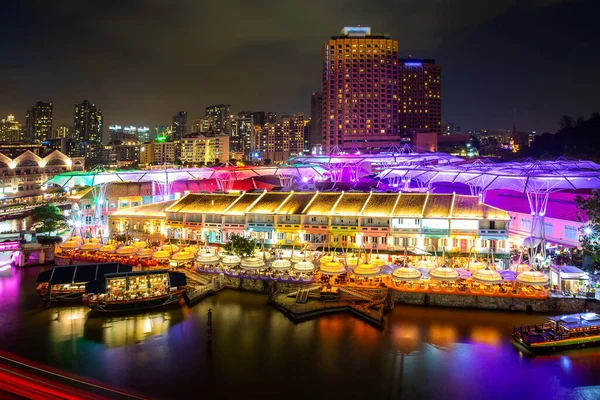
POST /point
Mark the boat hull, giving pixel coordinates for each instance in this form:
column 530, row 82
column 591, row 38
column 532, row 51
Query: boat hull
column 559, row 345
column 135, row 305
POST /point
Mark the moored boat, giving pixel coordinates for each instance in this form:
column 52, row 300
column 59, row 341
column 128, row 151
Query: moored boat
column 67, row 283
column 134, row 291
column 562, row 332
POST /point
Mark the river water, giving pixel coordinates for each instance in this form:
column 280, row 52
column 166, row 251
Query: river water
column 256, row 351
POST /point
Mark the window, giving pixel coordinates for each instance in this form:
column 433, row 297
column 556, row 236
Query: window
column 571, row 233
column 88, row 220
column 87, row 206
column 525, row 224
column 547, row 228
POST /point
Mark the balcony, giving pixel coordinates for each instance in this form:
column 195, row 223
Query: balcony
column 492, row 233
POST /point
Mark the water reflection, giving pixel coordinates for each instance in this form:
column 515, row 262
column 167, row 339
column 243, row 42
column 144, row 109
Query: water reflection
column 123, row 330
column 421, row 353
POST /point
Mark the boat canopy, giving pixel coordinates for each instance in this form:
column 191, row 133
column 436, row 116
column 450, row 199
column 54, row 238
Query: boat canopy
column 80, row 273
column 98, row 286
column 578, row 321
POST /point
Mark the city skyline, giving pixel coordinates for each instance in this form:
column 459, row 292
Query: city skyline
column 488, row 56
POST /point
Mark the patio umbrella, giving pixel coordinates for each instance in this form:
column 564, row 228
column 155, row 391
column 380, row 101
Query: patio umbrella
column 252, row 263
column 281, row 264
column 70, row 245
column 209, row 258
column 140, row 245
column 476, row 265
column 144, row 253
column 518, row 268
column 304, row 266
column 229, row 261
column 127, row 250
column 406, row 274
column 171, row 248
column 443, row 274
column 183, row 256
column 366, row 269
column 161, row 255
column 299, row 256
column 107, row 249
column 90, row 246
column 487, row 276
column 533, row 278
column 332, row 267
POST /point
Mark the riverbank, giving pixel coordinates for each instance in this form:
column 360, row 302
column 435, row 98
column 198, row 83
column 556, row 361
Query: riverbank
column 558, row 305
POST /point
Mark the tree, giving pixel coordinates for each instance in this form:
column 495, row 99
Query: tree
column 591, row 230
column 50, row 219
column 240, row 246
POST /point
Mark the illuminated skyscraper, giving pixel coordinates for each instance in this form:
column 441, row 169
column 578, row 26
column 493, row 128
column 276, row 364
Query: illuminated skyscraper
column 420, row 106
column 241, row 135
column 179, row 126
column 38, row 123
column 62, row 132
column 219, row 114
column 87, row 123
column 360, row 91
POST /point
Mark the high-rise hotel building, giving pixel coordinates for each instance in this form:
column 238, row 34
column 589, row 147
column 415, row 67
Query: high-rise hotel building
column 360, row 91
column 420, row 108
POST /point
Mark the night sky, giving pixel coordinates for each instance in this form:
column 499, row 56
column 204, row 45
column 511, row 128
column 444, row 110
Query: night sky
column 141, row 61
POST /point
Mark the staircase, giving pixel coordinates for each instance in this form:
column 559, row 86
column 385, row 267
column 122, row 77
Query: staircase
column 356, row 293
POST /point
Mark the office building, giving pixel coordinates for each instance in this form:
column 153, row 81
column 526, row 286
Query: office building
column 205, row 149
column 360, row 91
column 38, row 123
column 420, row 105
column 11, row 131
column 316, row 108
column 282, row 140
column 122, row 152
column 129, row 133
column 61, row 132
column 87, row 123
column 161, row 132
column 219, row 114
column 241, row 136
column 179, row 127
column 271, row 118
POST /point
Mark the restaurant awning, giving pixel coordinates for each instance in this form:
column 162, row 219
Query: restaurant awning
column 80, row 273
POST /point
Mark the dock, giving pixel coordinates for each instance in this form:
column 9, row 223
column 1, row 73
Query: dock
column 200, row 286
column 316, row 300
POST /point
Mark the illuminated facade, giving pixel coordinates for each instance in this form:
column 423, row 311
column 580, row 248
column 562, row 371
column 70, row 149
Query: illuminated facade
column 360, row 91
column 11, row 131
column 420, row 105
column 38, row 123
column 280, row 141
column 219, row 114
column 316, row 121
column 61, row 132
column 381, row 221
column 241, row 136
column 87, row 123
column 205, row 149
column 23, row 173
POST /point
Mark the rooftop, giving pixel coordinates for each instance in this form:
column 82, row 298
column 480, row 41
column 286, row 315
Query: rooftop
column 149, row 210
column 203, row 203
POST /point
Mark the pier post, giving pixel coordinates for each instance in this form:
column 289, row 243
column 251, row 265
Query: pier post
column 209, row 327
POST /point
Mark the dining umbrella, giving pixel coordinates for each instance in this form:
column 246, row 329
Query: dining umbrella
column 533, row 278
column 406, row 273
column 487, row 276
column 252, row 263
column 140, row 245
column 209, row 258
column 171, row 248
column 281, row 264
column 127, row 250
column 332, row 267
column 228, row 260
column 70, row 245
column 183, row 256
column 144, row 253
column 161, row 255
column 443, row 274
column 366, row 269
column 304, row 266
column 107, row 248
column 90, row 246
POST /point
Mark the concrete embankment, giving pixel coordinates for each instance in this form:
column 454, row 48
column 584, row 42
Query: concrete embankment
column 558, row 305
